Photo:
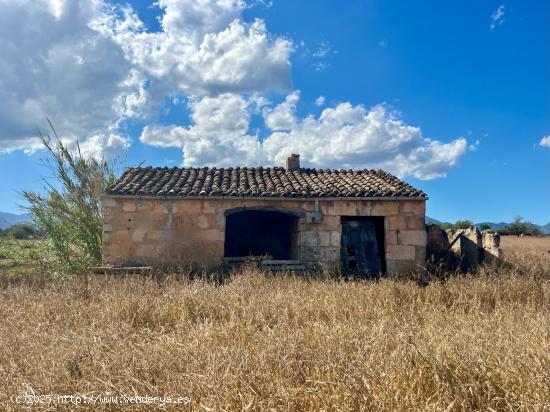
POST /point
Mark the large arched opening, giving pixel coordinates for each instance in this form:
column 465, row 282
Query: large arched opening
column 261, row 232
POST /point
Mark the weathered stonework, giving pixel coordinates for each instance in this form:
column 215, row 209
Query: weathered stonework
column 155, row 230
column 475, row 247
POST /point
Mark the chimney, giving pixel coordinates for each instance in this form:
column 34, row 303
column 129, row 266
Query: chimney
column 293, row 163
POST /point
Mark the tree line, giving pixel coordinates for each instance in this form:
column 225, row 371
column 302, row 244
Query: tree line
column 22, row 230
column 519, row 227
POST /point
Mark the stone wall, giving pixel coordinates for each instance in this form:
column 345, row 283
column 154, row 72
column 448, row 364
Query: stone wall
column 152, row 230
column 475, row 247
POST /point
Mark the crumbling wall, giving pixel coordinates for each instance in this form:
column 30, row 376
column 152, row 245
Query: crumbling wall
column 491, row 245
column 474, row 247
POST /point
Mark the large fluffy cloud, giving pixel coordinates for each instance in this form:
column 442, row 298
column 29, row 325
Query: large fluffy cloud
column 54, row 65
column 204, row 49
column 89, row 66
column 218, row 135
column 344, row 136
column 282, row 116
column 349, row 136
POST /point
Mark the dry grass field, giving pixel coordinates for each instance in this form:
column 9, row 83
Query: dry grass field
column 525, row 245
column 474, row 343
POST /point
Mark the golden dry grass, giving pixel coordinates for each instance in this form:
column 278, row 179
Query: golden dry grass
column 269, row 342
column 532, row 245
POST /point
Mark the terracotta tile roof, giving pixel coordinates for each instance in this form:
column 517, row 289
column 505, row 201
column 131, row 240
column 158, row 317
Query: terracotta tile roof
column 261, row 182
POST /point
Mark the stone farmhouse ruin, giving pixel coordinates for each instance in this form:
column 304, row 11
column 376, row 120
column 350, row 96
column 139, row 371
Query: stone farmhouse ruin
column 363, row 221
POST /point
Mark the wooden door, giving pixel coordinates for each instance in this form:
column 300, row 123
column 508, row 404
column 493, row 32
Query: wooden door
column 359, row 248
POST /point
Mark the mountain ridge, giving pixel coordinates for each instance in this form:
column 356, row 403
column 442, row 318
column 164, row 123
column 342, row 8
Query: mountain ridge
column 545, row 229
column 9, row 219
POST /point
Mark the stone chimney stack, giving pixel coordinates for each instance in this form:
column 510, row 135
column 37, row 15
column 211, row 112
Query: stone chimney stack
column 293, row 163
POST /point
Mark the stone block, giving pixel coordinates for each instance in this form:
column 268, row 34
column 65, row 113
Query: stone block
column 310, row 254
column 335, row 238
column 144, row 205
column 325, row 207
column 330, row 254
column 385, row 208
column 128, row 205
column 309, row 239
column 107, row 228
column 391, row 237
column 396, row 222
column 343, row 208
column 413, row 207
column 138, row 234
column 158, row 235
column 412, row 237
column 324, row 238
column 188, row 206
column 415, row 222
column 364, row 207
column 331, row 223
column 400, row 252
column 120, row 236
column 211, row 234
column 390, row 267
column 109, row 202
column 202, row 222
column 314, row 217
column 216, row 221
column 490, row 239
column 161, row 206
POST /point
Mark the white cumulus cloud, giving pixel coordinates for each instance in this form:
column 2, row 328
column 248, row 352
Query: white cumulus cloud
column 348, row 136
column 90, row 66
column 53, row 64
column 282, row 116
column 344, row 136
column 217, row 135
column 205, row 49
column 545, row 141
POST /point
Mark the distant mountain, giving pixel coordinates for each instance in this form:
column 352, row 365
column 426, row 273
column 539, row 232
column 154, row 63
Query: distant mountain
column 432, row 221
column 8, row 219
column 545, row 229
column 493, row 225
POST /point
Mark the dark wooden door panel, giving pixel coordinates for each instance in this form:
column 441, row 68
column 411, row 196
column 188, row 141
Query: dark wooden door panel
column 359, row 248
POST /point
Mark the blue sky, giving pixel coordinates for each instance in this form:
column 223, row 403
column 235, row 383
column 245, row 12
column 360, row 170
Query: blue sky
column 228, row 82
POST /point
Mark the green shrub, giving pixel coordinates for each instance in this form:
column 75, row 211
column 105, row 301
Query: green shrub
column 69, row 211
column 519, row 227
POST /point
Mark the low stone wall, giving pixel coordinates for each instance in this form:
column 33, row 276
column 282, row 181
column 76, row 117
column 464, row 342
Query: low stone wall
column 475, row 247
column 153, row 230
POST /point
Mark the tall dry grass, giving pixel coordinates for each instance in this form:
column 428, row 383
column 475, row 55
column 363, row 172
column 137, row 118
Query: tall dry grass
column 478, row 342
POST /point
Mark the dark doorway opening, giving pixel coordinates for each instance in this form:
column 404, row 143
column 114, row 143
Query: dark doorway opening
column 259, row 233
column 362, row 246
